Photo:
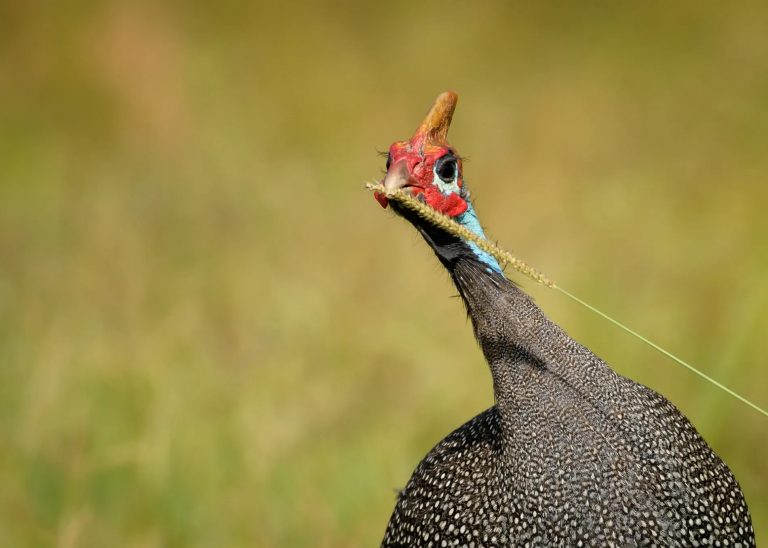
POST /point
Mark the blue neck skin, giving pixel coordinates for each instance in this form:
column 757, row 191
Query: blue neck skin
column 469, row 219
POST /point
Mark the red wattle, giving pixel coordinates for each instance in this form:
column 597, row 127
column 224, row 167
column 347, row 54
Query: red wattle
column 452, row 205
column 381, row 198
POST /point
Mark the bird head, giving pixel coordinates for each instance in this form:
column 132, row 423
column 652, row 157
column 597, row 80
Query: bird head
column 426, row 165
column 429, row 168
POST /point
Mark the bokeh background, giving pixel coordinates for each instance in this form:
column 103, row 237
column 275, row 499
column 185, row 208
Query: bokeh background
column 211, row 335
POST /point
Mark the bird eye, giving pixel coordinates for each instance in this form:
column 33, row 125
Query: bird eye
column 389, row 161
column 446, row 168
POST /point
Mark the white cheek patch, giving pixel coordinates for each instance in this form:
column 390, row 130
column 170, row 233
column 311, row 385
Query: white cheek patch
column 445, row 188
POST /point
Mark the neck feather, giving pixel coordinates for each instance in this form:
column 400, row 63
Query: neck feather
column 469, row 219
column 507, row 323
column 520, row 344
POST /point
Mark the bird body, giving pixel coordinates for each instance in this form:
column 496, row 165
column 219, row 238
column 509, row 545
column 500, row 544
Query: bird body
column 571, row 454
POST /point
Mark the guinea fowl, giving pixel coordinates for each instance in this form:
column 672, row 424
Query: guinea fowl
column 571, row 454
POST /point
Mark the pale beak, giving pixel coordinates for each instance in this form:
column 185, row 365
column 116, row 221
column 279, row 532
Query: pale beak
column 397, row 177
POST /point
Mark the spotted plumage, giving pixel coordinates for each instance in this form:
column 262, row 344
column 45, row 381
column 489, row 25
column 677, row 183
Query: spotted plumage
column 571, row 454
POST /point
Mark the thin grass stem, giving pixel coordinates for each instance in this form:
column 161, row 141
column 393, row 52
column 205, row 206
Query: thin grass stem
column 506, row 258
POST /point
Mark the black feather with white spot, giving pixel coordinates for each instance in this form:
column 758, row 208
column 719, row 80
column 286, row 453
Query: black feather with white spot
column 571, row 454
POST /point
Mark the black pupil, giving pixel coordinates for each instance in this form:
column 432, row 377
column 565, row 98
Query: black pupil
column 446, row 169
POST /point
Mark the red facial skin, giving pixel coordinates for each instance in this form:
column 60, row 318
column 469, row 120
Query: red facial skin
column 420, row 158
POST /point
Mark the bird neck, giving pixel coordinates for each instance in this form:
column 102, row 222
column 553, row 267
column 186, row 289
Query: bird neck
column 469, row 220
column 519, row 342
column 512, row 330
column 506, row 321
column 448, row 247
column 521, row 345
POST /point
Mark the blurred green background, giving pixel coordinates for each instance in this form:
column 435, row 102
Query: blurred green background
column 210, row 335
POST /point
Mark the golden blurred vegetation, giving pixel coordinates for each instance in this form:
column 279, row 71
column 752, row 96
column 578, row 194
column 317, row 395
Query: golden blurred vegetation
column 210, row 335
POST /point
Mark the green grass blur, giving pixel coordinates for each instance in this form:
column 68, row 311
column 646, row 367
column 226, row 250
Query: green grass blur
column 210, row 335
